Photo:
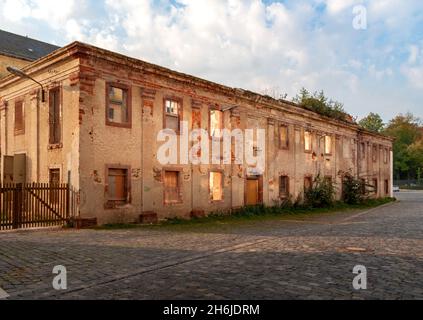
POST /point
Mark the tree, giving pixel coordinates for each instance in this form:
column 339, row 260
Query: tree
column 408, row 145
column 372, row 122
column 319, row 103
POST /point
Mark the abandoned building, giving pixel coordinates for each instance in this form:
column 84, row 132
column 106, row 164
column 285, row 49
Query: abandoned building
column 97, row 128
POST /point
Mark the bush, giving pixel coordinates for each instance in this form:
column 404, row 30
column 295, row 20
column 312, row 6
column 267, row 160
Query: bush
column 353, row 190
column 321, row 194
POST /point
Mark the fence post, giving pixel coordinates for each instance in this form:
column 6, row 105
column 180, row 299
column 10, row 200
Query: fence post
column 17, row 206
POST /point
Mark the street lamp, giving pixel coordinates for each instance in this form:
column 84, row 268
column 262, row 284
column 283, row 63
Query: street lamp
column 19, row 73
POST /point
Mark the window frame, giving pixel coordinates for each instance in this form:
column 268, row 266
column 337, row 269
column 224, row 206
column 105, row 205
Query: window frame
column 304, row 182
column 19, row 130
column 180, row 187
column 328, row 136
column 222, row 121
column 284, row 195
column 113, row 203
column 124, row 87
column 221, row 172
column 180, row 112
column 286, row 147
column 56, row 144
column 311, row 141
column 375, row 150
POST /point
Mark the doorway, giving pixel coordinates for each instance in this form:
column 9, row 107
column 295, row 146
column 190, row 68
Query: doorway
column 254, row 191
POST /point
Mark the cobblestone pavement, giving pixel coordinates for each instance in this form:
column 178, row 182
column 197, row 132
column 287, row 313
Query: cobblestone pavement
column 273, row 259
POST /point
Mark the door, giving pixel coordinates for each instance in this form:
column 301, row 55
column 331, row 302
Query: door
column 252, row 192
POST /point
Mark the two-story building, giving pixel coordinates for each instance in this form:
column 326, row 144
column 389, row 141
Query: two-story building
column 98, row 129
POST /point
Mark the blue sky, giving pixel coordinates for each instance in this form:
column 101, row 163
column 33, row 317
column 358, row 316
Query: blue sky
column 272, row 47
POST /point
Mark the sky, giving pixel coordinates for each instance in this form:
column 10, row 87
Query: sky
column 365, row 54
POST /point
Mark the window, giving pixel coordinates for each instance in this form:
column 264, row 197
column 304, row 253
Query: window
column 118, row 186
column 283, row 137
column 216, row 186
column 171, row 187
column 308, row 183
column 387, row 187
column 385, row 155
column 363, row 186
column 284, row 186
column 375, row 185
column 216, row 123
column 19, row 118
column 55, row 117
column 374, row 153
column 54, row 179
column 307, row 141
column 118, row 106
column 172, row 112
column 328, row 145
column 363, row 150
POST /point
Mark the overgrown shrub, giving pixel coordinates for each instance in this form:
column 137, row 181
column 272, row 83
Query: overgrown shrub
column 353, row 190
column 321, row 194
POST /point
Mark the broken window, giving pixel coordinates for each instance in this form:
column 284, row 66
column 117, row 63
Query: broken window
column 172, row 115
column 328, row 145
column 308, row 183
column 284, row 186
column 117, row 188
column 171, row 187
column 216, row 123
column 216, row 186
column 118, row 109
column 19, row 118
column 283, row 137
column 55, row 116
column 307, row 141
column 374, row 154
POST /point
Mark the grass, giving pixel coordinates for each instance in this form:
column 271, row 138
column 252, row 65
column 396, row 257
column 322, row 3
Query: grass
column 253, row 214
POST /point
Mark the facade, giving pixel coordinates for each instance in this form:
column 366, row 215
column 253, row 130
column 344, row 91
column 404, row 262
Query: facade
column 19, row 51
column 99, row 125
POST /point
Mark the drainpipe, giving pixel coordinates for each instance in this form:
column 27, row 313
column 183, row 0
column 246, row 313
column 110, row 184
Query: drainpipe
column 38, row 136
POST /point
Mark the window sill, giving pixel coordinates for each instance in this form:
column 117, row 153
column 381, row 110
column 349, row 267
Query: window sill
column 19, row 132
column 172, row 204
column 55, row 146
column 119, row 125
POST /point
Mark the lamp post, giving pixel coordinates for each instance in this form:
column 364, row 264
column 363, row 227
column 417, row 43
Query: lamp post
column 19, row 73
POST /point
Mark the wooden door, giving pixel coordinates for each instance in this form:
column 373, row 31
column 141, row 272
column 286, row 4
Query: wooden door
column 252, row 192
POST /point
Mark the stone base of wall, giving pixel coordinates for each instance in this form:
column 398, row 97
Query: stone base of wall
column 84, row 223
column 149, row 217
column 198, row 214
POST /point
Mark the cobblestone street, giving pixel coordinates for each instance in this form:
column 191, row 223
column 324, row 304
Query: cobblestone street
column 271, row 259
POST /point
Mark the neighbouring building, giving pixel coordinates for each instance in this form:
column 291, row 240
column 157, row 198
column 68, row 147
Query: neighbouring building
column 19, row 51
column 98, row 130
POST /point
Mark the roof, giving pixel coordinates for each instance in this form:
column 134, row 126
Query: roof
column 25, row 48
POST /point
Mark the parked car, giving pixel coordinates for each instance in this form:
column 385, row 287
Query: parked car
column 396, row 189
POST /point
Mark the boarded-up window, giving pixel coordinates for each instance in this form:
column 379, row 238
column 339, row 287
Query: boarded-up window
column 172, row 110
column 54, row 179
column 117, row 188
column 19, row 118
column 171, row 187
column 308, row 183
column 307, row 141
column 283, row 186
column 216, row 186
column 216, row 123
column 55, row 116
column 118, row 108
column 283, row 137
column 328, row 145
column 374, row 153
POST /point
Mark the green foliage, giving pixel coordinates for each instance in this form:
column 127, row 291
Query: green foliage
column 319, row 103
column 408, row 145
column 321, row 194
column 353, row 190
column 373, row 122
